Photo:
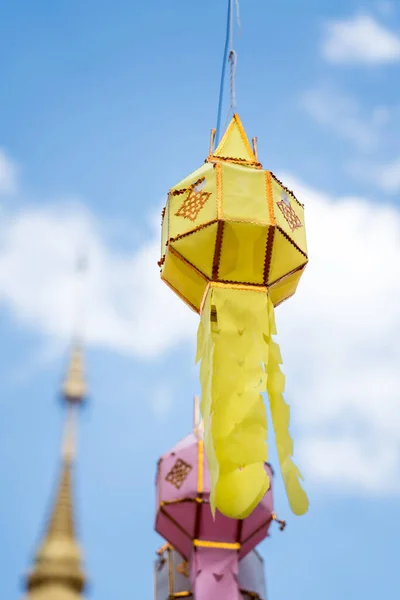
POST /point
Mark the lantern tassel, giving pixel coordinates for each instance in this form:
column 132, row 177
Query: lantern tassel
column 240, row 361
column 280, row 413
column 233, row 347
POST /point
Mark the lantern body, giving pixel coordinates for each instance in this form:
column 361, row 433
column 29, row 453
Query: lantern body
column 171, row 576
column 183, row 513
column 233, row 248
column 232, row 222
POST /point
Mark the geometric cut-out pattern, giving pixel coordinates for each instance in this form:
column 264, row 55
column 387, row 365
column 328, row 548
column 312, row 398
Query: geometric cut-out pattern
column 193, row 204
column 287, row 210
column 178, row 473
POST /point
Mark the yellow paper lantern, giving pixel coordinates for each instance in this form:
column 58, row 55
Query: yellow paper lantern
column 233, row 247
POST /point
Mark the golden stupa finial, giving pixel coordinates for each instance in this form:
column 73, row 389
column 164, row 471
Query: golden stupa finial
column 74, row 392
column 57, row 571
column 74, row 388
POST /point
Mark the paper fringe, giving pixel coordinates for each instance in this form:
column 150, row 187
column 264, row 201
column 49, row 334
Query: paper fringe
column 240, row 361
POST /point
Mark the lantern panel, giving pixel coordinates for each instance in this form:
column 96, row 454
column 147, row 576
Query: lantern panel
column 251, row 576
column 184, row 279
column 161, row 577
column 219, row 529
column 243, row 251
column 285, row 288
column 193, row 202
column 285, row 257
column 171, row 575
column 244, row 195
column 198, row 248
column 177, row 476
column 289, row 214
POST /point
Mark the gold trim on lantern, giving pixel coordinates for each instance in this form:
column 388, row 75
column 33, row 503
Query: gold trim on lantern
column 289, row 239
column 176, row 192
column 189, row 264
column 218, row 169
column 280, row 279
column 268, row 253
column 163, row 548
column 220, row 545
column 270, row 196
column 218, row 247
column 198, row 228
column 235, row 161
column 256, row 287
column 286, row 189
column 179, row 500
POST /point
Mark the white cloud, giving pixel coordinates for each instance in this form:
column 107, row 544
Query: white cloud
column 383, row 177
column 8, row 174
column 343, row 115
column 360, row 40
column 340, row 342
column 339, row 334
column 128, row 308
column 387, row 177
column 352, row 463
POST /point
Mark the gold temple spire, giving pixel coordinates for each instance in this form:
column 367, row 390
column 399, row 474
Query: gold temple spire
column 57, row 572
column 74, row 388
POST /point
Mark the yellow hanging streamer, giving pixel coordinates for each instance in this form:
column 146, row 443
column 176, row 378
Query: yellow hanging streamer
column 239, row 361
column 280, row 413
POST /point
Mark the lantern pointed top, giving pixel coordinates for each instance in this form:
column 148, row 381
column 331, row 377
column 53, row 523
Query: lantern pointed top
column 234, row 146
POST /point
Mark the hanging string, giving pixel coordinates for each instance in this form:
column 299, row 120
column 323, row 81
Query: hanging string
column 230, row 57
column 232, row 63
column 233, row 66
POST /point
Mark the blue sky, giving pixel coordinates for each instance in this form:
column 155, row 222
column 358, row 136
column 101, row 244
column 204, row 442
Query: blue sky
column 103, row 107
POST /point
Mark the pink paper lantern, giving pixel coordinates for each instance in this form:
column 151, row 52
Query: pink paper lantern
column 183, row 517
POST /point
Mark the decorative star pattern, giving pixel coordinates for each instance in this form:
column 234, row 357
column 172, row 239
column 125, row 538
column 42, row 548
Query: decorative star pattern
column 289, row 214
column 193, row 204
column 178, row 473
